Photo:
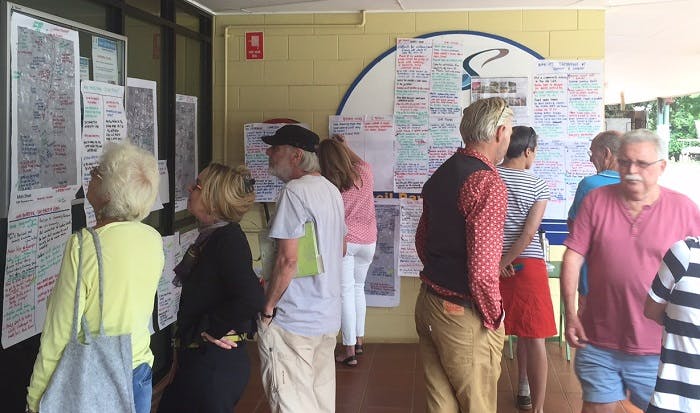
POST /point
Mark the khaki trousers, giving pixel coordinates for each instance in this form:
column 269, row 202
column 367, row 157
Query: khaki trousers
column 461, row 358
column 298, row 372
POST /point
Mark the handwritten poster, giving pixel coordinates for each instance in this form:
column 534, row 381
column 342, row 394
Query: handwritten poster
column 104, row 121
column 427, row 106
column 383, row 285
column 36, row 241
column 141, row 114
column 104, row 60
column 168, row 295
column 267, row 187
column 568, row 113
column 371, row 137
column 186, row 157
column 84, row 68
column 45, row 104
column 44, row 142
column 409, row 263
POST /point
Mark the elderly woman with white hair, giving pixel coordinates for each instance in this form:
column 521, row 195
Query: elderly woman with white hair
column 122, row 190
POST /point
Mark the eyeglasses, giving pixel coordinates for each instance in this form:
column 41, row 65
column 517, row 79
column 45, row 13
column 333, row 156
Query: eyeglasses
column 95, row 173
column 626, row 163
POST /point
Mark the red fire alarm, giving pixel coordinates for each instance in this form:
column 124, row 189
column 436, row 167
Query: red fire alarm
column 254, row 45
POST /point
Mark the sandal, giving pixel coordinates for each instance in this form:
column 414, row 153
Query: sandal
column 350, row 361
column 359, row 350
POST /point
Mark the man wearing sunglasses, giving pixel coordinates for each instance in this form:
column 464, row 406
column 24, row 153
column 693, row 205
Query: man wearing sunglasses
column 623, row 232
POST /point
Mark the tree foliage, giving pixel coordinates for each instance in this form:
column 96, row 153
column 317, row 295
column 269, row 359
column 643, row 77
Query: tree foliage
column 682, row 115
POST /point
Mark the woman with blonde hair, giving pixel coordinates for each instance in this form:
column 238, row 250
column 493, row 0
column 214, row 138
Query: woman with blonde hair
column 220, row 297
column 122, row 191
column 353, row 177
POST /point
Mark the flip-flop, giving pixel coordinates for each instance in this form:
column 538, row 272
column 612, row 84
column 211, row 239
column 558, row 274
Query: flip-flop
column 350, row 361
column 359, row 350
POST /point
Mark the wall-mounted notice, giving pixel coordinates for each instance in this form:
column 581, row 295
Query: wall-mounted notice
column 568, row 113
column 382, row 287
column 44, row 143
column 104, row 121
column 168, row 295
column 186, row 157
column 84, row 68
column 371, row 137
column 45, row 104
column 104, row 60
column 515, row 90
column 427, row 89
column 141, row 114
column 409, row 263
column 267, row 187
column 35, row 244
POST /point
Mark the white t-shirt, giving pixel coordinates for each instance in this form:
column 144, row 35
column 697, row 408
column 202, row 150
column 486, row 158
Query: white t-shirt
column 311, row 305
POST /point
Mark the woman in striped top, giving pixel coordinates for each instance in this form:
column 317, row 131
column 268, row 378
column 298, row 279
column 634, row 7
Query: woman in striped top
column 524, row 283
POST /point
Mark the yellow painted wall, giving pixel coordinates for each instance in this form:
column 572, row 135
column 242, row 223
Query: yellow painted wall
column 311, row 59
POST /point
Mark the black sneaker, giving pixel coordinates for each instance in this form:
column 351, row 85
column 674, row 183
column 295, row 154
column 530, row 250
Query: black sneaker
column 524, row 403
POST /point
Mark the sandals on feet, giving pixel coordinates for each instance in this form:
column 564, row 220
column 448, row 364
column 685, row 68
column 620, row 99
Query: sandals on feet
column 359, row 350
column 350, row 361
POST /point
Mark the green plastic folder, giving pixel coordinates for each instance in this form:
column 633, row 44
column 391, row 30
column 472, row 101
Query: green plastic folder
column 309, row 260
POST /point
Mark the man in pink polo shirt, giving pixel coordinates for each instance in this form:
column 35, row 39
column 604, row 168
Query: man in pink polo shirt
column 622, row 231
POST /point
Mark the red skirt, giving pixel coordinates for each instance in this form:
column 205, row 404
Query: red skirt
column 527, row 302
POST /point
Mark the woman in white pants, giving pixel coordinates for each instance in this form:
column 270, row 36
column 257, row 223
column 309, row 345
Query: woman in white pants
column 353, row 177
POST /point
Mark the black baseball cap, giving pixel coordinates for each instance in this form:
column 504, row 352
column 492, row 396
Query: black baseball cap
column 293, row 135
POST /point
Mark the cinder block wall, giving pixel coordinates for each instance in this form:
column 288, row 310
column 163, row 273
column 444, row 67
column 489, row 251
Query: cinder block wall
column 311, row 59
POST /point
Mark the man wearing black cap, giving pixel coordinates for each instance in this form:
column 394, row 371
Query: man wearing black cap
column 301, row 318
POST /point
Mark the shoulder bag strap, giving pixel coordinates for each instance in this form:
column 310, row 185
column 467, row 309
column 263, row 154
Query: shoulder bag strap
column 74, row 327
column 100, row 275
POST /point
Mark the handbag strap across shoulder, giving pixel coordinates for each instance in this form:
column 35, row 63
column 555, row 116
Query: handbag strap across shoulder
column 100, row 272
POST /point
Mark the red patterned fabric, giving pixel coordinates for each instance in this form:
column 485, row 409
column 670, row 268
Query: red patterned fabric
column 360, row 216
column 483, row 201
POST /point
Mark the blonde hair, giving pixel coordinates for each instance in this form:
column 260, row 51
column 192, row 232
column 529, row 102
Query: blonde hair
column 481, row 119
column 227, row 192
column 129, row 180
column 336, row 164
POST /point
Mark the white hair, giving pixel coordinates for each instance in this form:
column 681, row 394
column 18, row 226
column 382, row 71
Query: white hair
column 129, row 180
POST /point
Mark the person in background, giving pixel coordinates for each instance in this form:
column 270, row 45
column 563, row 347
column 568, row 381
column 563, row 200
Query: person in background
column 299, row 323
column 122, row 191
column 459, row 240
column 221, row 296
column 353, row 177
column 622, row 231
column 603, row 156
column 524, row 280
column 674, row 303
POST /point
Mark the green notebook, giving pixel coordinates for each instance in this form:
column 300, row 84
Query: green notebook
column 309, row 260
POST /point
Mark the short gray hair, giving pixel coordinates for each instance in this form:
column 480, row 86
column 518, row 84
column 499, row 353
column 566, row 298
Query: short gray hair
column 129, row 180
column 642, row 136
column 309, row 162
column 609, row 139
column 481, row 119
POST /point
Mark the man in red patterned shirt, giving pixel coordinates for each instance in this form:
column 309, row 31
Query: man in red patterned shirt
column 459, row 240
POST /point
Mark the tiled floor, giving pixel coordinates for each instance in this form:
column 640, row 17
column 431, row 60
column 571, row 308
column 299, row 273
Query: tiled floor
column 389, row 379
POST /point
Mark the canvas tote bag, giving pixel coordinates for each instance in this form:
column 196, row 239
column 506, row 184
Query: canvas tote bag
column 95, row 376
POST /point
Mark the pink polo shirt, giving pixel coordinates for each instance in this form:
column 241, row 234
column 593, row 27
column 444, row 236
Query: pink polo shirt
column 623, row 256
column 360, row 216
